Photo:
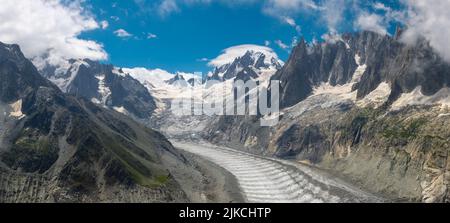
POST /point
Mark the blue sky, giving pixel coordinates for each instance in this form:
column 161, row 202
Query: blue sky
column 183, row 35
column 184, row 38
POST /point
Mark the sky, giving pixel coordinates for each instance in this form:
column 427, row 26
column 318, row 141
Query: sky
column 185, row 35
column 184, row 40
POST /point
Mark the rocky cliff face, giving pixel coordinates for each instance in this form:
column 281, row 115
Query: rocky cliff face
column 105, row 85
column 385, row 58
column 57, row 148
column 367, row 108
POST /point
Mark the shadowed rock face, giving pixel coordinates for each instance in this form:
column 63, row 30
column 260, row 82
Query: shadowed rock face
column 307, row 141
column 309, row 66
column 246, row 74
column 387, row 59
column 13, row 84
column 68, row 149
column 194, row 81
column 104, row 85
column 177, row 77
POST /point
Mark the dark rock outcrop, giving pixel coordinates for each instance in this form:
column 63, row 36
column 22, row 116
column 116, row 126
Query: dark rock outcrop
column 178, row 78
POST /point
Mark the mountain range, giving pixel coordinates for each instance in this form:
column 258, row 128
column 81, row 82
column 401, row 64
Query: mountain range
column 365, row 107
column 385, row 59
column 102, row 84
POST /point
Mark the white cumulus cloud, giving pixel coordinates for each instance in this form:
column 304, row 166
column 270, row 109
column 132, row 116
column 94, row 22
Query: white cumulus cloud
column 429, row 19
column 50, row 29
column 167, row 7
column 290, row 21
column 151, row 36
column 104, row 24
column 371, row 22
column 122, row 33
column 281, row 44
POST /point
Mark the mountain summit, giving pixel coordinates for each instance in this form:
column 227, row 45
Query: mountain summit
column 249, row 65
column 103, row 84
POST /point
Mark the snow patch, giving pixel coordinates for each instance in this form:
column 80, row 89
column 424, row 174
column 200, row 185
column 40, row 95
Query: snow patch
column 103, row 90
column 121, row 110
column 377, row 97
column 16, row 110
column 118, row 72
column 415, row 97
column 347, row 46
column 343, row 92
column 444, row 115
column 95, row 101
column 359, row 70
column 324, row 96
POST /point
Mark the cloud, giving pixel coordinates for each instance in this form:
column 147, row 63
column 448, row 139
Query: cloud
column 204, row 59
column 282, row 45
column 333, row 13
column 290, row 21
column 104, row 24
column 288, row 7
column 371, row 22
column 430, row 20
column 331, row 37
column 427, row 20
column 230, row 54
column 151, row 36
column 267, row 43
column 49, row 29
column 122, row 33
column 155, row 77
column 329, row 12
column 381, row 6
column 294, row 41
column 167, row 7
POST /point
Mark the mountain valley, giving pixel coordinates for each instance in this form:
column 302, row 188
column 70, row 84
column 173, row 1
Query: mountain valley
column 364, row 118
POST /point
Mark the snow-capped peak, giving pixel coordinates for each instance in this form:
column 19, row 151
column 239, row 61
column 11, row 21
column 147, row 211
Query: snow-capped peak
column 63, row 74
column 230, row 54
column 257, row 60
